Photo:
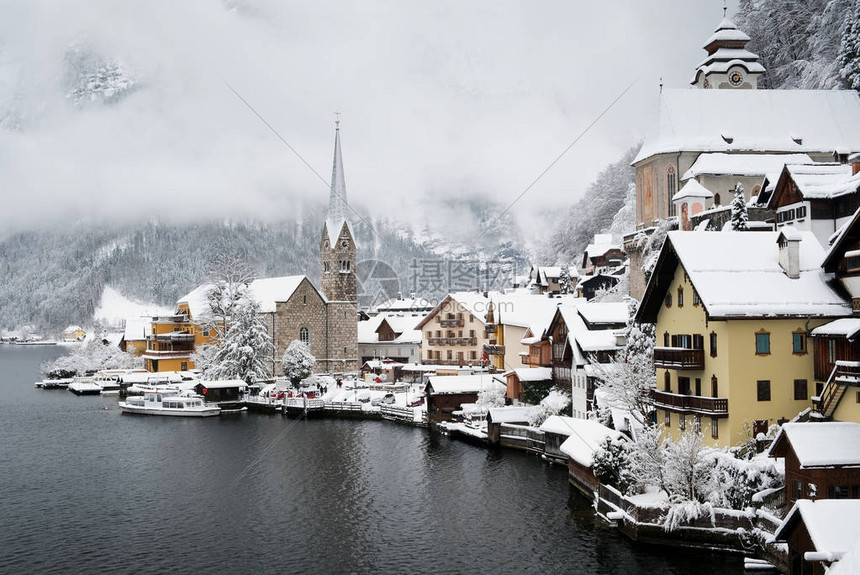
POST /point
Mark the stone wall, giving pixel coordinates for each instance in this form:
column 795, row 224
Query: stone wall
column 305, row 308
column 342, row 352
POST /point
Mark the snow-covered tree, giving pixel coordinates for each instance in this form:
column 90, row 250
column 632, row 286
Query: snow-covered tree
column 688, row 470
column 740, row 217
column 553, row 404
column 626, row 381
column 89, row 358
column 493, row 397
column 565, row 282
column 648, row 458
column 652, row 244
column 736, row 480
column 298, row 362
column 230, row 277
column 245, row 351
column 612, row 464
column 849, row 48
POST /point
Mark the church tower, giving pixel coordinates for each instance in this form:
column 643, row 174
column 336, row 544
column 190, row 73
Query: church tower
column 729, row 64
column 337, row 246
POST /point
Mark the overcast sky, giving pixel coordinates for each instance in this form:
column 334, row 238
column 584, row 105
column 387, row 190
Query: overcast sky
column 439, row 100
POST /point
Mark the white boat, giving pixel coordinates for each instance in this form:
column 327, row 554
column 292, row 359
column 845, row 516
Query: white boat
column 84, row 386
column 168, row 402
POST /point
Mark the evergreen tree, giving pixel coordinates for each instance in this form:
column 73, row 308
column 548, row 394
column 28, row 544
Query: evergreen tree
column 612, row 465
column 849, row 48
column 565, row 282
column 246, row 349
column 298, row 362
column 739, row 209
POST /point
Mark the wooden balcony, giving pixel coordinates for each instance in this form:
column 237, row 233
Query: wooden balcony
column 452, row 322
column 712, row 406
column 679, row 358
column 490, row 328
column 493, row 349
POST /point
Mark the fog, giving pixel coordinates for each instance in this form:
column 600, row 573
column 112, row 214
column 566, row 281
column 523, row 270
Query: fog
column 439, row 100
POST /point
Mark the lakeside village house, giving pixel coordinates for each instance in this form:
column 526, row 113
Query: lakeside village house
column 292, row 307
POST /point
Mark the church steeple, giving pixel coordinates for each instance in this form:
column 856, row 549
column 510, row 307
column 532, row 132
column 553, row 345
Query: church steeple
column 337, row 247
column 729, row 64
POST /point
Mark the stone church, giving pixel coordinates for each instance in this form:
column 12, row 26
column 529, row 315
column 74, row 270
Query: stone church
column 291, row 307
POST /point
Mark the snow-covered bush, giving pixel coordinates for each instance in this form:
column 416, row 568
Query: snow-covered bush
column 612, row 465
column 735, row 481
column 298, row 362
column 686, row 512
column 688, row 468
column 493, row 397
column 552, row 404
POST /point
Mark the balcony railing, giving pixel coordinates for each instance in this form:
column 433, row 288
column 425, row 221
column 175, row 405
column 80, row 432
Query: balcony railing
column 491, row 328
column 452, row 341
column 533, row 360
column 452, row 322
column 493, row 349
column 679, row 358
column 713, row 406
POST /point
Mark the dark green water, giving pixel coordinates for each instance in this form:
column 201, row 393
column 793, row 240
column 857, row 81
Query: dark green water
column 84, row 489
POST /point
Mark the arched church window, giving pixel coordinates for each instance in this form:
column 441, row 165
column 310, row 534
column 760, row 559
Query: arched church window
column 305, row 335
column 671, row 187
column 717, row 201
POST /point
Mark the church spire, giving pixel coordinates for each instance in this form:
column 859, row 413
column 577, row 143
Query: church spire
column 337, row 207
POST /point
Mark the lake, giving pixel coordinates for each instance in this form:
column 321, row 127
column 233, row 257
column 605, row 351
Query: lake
column 86, row 489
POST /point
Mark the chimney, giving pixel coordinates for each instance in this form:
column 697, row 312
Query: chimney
column 789, row 251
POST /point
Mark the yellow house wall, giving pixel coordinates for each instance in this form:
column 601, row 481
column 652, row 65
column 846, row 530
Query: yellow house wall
column 849, row 406
column 736, row 366
column 511, row 337
column 470, row 322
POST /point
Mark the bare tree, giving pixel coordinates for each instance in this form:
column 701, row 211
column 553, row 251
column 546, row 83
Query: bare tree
column 230, row 277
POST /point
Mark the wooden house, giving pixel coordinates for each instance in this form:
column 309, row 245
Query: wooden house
column 584, row 438
column 499, row 416
column 446, row 394
column 221, row 391
column 822, row 460
column 819, row 534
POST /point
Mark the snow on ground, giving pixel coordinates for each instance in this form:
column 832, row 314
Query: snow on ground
column 115, row 307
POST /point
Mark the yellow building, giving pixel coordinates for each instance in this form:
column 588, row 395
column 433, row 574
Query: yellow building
column 733, row 312
column 456, row 330
column 74, row 333
column 172, row 340
column 135, row 335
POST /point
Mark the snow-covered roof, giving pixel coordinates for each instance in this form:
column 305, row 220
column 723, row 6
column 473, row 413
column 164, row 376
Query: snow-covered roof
column 510, row 414
column 449, row 384
column 401, row 323
column 584, row 438
column 727, row 31
column 266, row 291
column 73, row 329
column 598, row 249
column 722, row 164
column 738, row 274
column 790, row 121
column 137, row 329
column 849, row 564
column 222, row 383
column 597, row 313
column 379, row 364
column 558, row 424
column 692, row 189
column 401, row 304
column 583, row 340
column 825, row 444
column 533, row 311
column 547, row 273
column 531, row 373
column 833, row 524
column 847, row 327
column 823, row 180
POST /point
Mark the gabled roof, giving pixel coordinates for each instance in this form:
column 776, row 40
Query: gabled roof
column 584, row 438
column 531, row 373
column 737, row 274
column 833, row 524
column 816, row 181
column 401, row 324
column 722, row 164
column 847, row 238
column 825, row 444
column 692, row 189
column 509, row 414
column 847, row 327
column 137, row 329
column 468, row 301
column 776, row 121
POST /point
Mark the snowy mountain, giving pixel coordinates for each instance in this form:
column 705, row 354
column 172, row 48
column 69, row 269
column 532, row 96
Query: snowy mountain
column 58, row 276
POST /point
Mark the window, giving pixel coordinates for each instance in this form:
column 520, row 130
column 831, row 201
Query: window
column 183, row 366
column 696, row 300
column 450, row 354
column 798, row 342
column 684, row 385
column 831, row 351
column 305, row 299
column 697, row 423
column 852, row 261
column 205, row 332
column 839, row 492
column 858, row 397
column 717, row 201
column 680, row 296
column 666, row 339
column 698, row 341
column 668, row 299
column 667, row 382
column 668, row 421
column 471, row 333
column 714, row 386
column 682, row 340
column 473, row 354
column 429, row 334
column 305, row 335
column 715, row 427
column 326, row 267
column 671, row 187
column 763, row 390
column 801, row 212
column 798, row 489
column 762, row 343
column 682, row 422
column 699, row 386
column 800, row 389
column 713, row 344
